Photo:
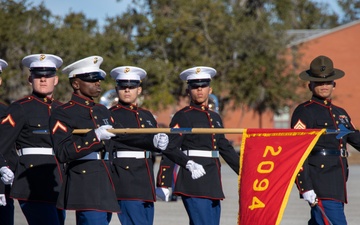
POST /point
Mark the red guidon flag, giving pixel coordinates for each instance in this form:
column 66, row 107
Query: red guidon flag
column 269, row 162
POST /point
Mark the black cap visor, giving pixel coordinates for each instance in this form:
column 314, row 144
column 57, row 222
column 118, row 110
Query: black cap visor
column 199, row 83
column 43, row 71
column 90, row 77
column 128, row 83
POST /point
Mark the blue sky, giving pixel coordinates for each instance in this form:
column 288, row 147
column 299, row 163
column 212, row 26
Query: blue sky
column 93, row 9
column 100, row 9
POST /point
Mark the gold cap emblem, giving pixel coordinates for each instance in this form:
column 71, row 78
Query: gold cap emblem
column 42, row 57
column 198, row 70
column 96, row 60
column 126, row 70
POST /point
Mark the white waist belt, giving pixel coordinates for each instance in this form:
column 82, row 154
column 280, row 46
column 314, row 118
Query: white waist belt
column 95, row 156
column 202, row 153
column 35, row 151
column 133, row 154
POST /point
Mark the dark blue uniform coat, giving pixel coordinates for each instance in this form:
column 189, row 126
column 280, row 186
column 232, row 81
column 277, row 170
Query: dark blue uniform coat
column 37, row 177
column 326, row 175
column 134, row 178
column 88, row 184
column 2, row 158
column 208, row 186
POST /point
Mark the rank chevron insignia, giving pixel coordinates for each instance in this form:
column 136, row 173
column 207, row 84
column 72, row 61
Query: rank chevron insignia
column 299, row 125
column 59, row 125
column 9, row 119
column 176, row 127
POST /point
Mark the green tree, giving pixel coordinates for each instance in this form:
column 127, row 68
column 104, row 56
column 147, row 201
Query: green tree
column 27, row 29
column 24, row 30
column 247, row 50
column 117, row 45
column 305, row 14
column 351, row 9
column 244, row 40
column 75, row 37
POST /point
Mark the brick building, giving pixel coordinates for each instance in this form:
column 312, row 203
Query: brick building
column 341, row 44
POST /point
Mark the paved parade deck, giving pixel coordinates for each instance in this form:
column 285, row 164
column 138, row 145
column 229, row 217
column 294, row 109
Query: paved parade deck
column 296, row 213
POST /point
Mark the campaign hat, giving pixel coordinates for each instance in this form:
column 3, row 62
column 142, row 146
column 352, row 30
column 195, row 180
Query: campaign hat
column 321, row 69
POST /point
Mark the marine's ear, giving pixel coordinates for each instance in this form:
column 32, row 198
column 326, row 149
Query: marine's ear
column 310, row 86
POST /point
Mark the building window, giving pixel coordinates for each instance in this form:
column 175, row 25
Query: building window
column 282, row 120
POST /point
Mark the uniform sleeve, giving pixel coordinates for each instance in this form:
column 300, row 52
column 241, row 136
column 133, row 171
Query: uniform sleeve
column 301, row 120
column 2, row 188
column 11, row 125
column 173, row 151
column 229, row 154
column 353, row 138
column 67, row 146
column 2, row 109
column 2, row 163
column 141, row 141
column 226, row 149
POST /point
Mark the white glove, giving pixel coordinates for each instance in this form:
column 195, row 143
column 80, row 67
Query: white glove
column 103, row 134
column 163, row 193
column 2, row 200
column 7, row 176
column 196, row 170
column 309, row 196
column 161, row 140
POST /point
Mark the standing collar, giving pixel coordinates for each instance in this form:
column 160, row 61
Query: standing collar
column 324, row 101
column 82, row 101
column 127, row 105
column 200, row 107
column 43, row 99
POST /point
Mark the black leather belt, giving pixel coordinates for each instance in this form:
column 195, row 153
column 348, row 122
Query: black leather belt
column 330, row 152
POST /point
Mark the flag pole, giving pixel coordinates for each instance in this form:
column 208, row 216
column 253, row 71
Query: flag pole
column 169, row 130
column 342, row 131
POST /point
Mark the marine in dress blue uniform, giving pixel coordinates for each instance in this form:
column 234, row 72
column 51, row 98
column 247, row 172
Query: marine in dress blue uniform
column 133, row 163
column 88, row 187
column 201, row 197
column 134, row 176
column 6, row 203
column 3, row 212
column 38, row 175
column 322, row 178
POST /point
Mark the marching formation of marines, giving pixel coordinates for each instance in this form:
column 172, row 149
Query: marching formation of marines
column 97, row 173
